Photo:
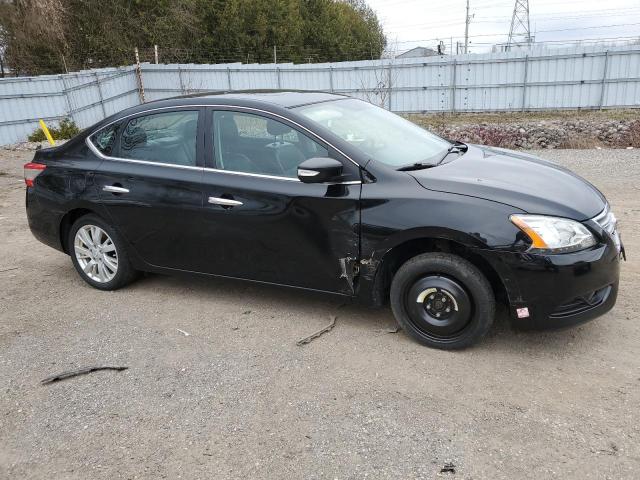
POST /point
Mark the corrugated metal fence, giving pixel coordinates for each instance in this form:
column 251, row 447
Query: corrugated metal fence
column 572, row 78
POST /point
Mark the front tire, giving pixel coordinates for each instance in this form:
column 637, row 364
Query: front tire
column 442, row 301
column 99, row 255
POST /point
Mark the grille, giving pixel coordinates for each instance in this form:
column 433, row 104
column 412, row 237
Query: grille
column 607, row 220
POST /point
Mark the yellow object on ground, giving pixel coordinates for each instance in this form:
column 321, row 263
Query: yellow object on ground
column 47, row 133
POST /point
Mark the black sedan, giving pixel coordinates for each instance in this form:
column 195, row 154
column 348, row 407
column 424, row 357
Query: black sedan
column 329, row 193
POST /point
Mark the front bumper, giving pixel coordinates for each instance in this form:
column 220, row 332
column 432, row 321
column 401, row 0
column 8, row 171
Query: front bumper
column 558, row 291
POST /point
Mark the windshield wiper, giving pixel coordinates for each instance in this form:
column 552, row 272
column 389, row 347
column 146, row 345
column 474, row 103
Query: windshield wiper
column 416, row 166
column 456, row 147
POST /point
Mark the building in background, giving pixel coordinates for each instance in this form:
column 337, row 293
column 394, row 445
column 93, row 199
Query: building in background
column 418, row 52
column 506, row 47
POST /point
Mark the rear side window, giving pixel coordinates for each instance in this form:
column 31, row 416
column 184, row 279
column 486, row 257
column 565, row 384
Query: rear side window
column 168, row 137
column 105, row 139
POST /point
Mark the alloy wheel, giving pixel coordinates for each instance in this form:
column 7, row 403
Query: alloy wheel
column 96, row 253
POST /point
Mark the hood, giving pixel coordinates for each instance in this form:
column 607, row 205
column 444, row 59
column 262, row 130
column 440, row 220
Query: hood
column 521, row 180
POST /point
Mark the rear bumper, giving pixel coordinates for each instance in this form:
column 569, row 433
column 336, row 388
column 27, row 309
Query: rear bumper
column 558, row 291
column 44, row 222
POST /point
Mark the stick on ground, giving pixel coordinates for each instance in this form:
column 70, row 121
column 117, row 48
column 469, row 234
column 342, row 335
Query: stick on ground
column 313, row 336
column 75, row 373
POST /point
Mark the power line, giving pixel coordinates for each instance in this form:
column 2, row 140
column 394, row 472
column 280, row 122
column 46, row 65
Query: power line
column 505, row 18
column 497, row 34
column 587, row 13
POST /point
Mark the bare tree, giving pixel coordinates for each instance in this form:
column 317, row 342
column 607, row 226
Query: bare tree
column 33, row 26
column 384, row 79
column 3, row 47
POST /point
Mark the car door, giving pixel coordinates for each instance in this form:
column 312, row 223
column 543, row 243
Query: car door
column 150, row 183
column 260, row 222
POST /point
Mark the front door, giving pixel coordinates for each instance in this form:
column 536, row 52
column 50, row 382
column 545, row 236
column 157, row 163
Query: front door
column 260, row 222
column 150, row 184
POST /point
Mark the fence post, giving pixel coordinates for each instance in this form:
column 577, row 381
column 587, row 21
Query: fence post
column 104, row 110
column 604, row 79
column 139, row 76
column 331, row 78
column 180, row 79
column 524, row 83
column 229, row 78
column 390, row 88
column 65, row 90
column 453, row 86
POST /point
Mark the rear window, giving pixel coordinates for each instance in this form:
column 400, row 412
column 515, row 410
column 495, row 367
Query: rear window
column 105, row 139
column 168, row 137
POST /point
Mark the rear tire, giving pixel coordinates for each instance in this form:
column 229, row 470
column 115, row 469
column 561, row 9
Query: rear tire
column 99, row 254
column 442, row 301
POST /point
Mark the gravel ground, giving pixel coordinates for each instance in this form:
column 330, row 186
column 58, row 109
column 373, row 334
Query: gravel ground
column 236, row 398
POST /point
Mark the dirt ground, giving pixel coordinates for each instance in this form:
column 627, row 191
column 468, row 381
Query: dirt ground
column 236, row 398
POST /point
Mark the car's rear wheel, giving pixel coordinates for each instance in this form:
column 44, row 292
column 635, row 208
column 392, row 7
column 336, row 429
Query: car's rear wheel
column 442, row 301
column 98, row 254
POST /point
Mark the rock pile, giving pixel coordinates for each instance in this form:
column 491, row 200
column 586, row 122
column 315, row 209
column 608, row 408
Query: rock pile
column 544, row 134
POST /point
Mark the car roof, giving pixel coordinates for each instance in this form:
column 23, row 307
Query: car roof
column 280, row 98
column 269, row 100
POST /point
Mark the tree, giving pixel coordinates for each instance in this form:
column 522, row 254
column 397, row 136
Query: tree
column 52, row 36
column 33, row 34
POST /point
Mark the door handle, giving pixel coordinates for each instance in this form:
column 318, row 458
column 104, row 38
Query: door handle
column 226, row 202
column 114, row 189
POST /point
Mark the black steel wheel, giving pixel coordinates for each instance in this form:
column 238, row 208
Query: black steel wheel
column 442, row 301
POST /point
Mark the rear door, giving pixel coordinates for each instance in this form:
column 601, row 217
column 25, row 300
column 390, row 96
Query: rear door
column 260, row 222
column 150, row 183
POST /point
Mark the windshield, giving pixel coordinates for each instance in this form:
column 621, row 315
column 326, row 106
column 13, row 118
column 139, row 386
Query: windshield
column 382, row 135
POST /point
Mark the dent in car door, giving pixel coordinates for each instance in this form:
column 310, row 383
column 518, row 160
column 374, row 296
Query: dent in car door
column 274, row 228
column 153, row 193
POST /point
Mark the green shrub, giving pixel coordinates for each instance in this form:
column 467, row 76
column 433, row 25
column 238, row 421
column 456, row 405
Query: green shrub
column 65, row 130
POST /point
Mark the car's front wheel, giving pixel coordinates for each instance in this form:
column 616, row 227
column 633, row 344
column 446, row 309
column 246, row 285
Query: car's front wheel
column 98, row 254
column 442, row 300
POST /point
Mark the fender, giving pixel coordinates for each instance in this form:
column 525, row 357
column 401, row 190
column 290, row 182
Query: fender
column 434, row 219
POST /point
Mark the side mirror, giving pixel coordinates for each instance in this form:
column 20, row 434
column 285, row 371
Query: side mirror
column 319, row 170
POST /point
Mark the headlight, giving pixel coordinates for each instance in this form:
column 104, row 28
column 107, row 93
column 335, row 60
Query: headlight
column 553, row 234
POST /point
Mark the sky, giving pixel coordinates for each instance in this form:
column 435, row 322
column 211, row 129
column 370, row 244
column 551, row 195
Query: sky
column 410, row 23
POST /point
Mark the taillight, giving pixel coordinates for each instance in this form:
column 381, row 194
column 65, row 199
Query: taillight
column 31, row 171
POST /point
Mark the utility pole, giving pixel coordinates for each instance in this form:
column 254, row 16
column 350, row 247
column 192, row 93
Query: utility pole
column 520, row 26
column 275, row 55
column 466, row 30
column 155, row 53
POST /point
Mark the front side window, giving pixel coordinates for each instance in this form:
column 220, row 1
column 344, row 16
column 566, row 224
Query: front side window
column 249, row 143
column 378, row 133
column 105, row 139
column 168, row 137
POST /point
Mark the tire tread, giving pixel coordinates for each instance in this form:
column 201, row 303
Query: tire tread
column 126, row 273
column 484, row 300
